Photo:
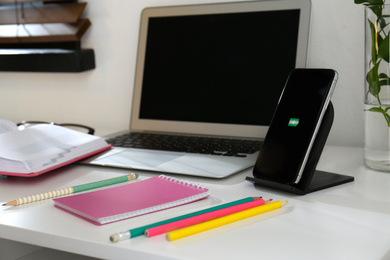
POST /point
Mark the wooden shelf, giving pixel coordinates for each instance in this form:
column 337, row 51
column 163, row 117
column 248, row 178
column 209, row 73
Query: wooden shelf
column 42, row 13
column 43, row 36
column 54, row 32
column 12, row 2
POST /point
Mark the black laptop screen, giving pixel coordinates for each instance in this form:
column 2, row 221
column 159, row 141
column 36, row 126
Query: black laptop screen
column 221, row 68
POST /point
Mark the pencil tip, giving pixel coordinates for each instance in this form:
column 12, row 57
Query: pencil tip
column 4, row 204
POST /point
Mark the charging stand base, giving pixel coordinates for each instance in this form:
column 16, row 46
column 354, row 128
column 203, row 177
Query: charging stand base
column 312, row 179
column 320, row 180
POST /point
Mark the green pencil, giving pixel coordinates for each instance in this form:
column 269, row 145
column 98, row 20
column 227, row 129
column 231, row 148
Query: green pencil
column 70, row 190
column 141, row 230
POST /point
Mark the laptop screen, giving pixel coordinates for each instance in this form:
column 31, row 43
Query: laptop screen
column 219, row 68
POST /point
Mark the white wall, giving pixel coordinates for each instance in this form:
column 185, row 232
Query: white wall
column 100, row 97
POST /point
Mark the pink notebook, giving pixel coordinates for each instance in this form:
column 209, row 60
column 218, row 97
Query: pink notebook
column 130, row 200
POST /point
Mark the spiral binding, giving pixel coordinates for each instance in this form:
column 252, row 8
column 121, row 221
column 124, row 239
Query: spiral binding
column 184, row 182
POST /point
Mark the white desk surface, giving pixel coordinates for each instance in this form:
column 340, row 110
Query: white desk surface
column 350, row 221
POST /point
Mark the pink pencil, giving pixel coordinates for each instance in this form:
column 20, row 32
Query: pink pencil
column 203, row 218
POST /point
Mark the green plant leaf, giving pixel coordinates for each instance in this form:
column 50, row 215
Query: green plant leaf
column 379, row 39
column 376, row 9
column 374, row 5
column 383, row 49
column 382, row 22
column 373, row 42
column 370, row 2
column 387, row 117
column 376, row 109
column 384, row 80
column 373, row 80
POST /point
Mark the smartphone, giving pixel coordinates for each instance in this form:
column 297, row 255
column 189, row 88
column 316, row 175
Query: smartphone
column 294, row 125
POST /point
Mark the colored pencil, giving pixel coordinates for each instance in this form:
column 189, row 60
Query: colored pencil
column 70, row 190
column 191, row 230
column 203, row 218
column 141, row 230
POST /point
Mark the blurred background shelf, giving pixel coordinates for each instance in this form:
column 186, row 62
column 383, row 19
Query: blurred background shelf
column 43, row 36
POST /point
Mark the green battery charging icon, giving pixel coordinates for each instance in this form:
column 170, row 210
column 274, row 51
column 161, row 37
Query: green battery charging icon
column 293, row 122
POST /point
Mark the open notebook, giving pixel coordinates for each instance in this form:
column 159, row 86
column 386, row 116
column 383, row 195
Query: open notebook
column 210, row 70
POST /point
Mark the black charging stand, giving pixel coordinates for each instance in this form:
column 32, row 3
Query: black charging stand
column 312, row 179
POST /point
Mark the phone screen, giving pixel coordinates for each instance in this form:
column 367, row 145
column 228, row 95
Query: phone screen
column 294, row 125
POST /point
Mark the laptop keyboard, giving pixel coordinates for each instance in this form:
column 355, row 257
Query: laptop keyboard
column 189, row 144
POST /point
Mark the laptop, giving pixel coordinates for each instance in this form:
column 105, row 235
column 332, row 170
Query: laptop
column 213, row 72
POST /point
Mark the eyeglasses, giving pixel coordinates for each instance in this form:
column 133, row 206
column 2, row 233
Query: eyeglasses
column 77, row 127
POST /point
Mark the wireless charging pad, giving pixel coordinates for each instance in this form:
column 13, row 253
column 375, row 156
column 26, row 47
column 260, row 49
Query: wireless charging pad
column 312, row 179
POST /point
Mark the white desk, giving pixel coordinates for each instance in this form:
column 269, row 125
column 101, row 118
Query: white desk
column 350, row 221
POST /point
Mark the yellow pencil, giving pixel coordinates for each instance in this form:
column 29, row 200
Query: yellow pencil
column 188, row 231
